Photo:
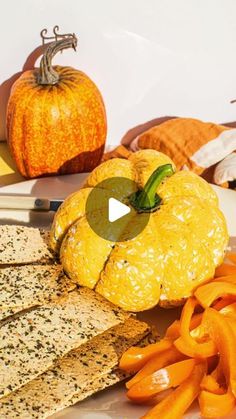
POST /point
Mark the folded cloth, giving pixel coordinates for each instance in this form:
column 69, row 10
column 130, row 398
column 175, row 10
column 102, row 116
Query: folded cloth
column 225, row 171
column 191, row 144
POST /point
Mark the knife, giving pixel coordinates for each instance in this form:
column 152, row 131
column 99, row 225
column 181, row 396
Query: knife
column 21, row 202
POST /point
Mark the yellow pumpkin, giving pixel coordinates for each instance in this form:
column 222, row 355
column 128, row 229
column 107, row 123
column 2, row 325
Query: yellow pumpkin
column 180, row 247
column 56, row 119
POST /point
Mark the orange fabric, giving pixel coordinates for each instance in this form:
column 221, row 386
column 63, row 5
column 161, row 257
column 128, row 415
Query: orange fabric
column 180, row 138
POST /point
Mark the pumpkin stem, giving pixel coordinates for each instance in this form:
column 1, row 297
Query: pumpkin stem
column 147, row 200
column 47, row 75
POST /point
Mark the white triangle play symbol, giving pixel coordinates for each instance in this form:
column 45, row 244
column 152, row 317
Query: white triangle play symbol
column 116, row 209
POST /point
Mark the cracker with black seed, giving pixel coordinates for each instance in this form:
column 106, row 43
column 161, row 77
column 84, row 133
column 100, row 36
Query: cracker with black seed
column 20, row 244
column 29, row 285
column 8, row 312
column 113, row 377
column 30, row 344
column 79, row 374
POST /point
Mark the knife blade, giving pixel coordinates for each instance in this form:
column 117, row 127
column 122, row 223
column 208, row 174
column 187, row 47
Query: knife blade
column 21, row 202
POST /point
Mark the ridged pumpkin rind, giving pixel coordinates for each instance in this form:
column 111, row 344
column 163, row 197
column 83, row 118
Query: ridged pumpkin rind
column 183, row 242
column 56, row 129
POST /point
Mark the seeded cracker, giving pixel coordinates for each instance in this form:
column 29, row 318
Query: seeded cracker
column 26, row 286
column 79, row 374
column 114, row 376
column 20, row 244
column 8, row 312
column 31, row 343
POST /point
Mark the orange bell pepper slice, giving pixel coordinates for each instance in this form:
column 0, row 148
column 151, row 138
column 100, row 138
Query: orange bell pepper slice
column 225, row 269
column 227, row 278
column 173, row 331
column 209, row 383
column 186, row 343
column 176, row 403
column 210, row 292
column 170, row 356
column 231, row 256
column 160, row 380
column 222, row 334
column 229, row 310
column 218, row 375
column 135, row 358
column 223, row 302
column 194, row 349
column 212, row 363
column 232, row 323
column 215, row 405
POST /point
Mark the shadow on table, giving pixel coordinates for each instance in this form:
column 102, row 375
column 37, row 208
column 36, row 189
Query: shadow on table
column 13, row 176
column 5, row 87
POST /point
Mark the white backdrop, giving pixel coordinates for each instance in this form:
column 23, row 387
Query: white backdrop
column 149, row 57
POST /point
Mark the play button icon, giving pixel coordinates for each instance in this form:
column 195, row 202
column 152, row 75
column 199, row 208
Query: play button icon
column 110, row 213
column 117, row 210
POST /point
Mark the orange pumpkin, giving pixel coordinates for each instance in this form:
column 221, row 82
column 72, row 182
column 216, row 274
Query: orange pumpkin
column 56, row 119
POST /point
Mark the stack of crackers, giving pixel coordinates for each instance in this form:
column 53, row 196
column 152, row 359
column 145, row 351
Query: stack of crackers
column 59, row 343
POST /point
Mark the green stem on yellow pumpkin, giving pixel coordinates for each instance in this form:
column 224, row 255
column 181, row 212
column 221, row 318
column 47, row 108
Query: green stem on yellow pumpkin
column 47, row 75
column 147, row 200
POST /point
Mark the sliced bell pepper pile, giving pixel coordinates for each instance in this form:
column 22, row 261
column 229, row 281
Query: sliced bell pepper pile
column 223, row 302
column 210, row 292
column 225, row 269
column 215, row 405
column 159, row 361
column 160, row 380
column 195, row 359
column 135, row 358
column 231, row 257
column 176, row 404
column 210, row 384
column 227, row 278
column 222, row 334
column 186, row 343
column 229, row 310
column 173, row 331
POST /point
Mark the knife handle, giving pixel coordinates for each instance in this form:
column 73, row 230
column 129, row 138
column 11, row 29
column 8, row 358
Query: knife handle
column 24, row 202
